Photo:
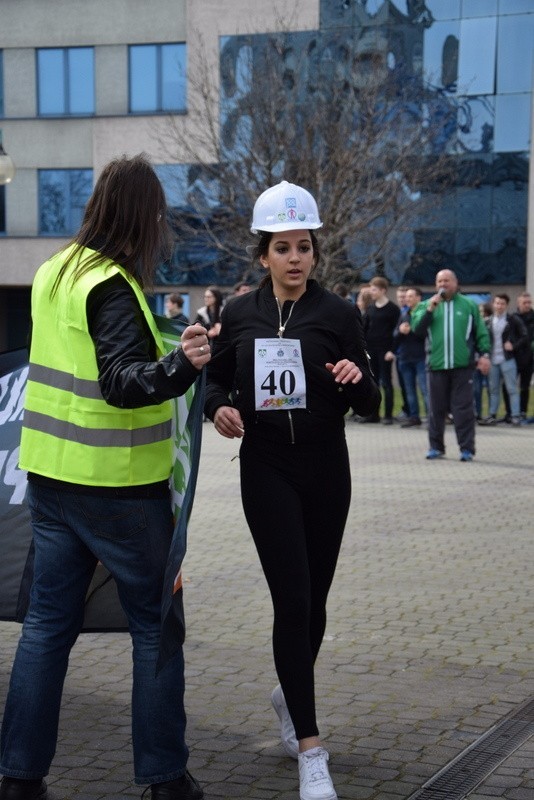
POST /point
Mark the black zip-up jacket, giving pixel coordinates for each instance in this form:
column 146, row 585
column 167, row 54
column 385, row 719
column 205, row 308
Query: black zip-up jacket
column 514, row 332
column 408, row 346
column 525, row 355
column 128, row 373
column 329, row 329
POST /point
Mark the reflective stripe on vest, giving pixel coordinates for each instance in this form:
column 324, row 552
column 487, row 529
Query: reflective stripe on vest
column 97, row 437
column 64, row 380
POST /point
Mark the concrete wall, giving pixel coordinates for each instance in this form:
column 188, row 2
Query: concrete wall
column 60, row 23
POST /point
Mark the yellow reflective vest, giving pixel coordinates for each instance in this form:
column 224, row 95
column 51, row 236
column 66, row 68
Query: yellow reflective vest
column 69, row 431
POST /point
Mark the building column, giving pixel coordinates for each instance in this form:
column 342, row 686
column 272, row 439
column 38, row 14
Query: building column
column 530, row 206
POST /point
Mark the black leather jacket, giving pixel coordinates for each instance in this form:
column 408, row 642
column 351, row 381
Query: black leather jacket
column 129, row 374
column 514, row 332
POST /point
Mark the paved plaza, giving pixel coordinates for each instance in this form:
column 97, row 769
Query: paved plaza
column 429, row 643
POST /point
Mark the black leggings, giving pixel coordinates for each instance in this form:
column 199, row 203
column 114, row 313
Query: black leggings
column 296, row 502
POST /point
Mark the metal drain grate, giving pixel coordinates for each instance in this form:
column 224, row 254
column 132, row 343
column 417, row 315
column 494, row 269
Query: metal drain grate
column 467, row 771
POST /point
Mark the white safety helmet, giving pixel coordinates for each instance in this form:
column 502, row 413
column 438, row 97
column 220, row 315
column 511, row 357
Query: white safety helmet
column 285, row 207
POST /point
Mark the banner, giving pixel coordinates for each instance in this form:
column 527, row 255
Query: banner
column 188, row 412
column 102, row 611
column 15, row 530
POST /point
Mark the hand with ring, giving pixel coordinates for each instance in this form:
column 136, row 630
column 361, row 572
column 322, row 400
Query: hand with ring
column 195, row 345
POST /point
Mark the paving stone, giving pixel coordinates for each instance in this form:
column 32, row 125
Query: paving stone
column 428, row 644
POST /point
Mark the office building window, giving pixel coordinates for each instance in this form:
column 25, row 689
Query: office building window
column 63, row 194
column 66, row 81
column 157, row 78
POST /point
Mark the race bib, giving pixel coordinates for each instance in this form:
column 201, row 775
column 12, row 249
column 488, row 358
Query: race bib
column 279, row 377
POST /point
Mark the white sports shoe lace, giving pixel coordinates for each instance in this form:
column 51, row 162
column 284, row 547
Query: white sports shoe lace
column 315, row 780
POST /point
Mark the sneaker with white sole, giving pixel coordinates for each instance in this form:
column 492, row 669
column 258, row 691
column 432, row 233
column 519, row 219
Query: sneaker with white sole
column 287, row 729
column 315, row 780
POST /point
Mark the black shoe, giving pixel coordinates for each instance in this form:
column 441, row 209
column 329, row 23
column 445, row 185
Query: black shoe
column 184, row 788
column 368, row 419
column 411, row 422
column 387, row 421
column 18, row 789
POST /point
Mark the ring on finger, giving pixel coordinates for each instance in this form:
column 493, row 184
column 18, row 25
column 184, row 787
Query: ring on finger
column 201, row 348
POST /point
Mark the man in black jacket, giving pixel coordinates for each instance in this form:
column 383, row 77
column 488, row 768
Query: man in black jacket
column 379, row 323
column 410, row 353
column 508, row 335
column 525, row 355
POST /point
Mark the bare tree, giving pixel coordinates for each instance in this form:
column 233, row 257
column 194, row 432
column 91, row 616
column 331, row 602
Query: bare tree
column 365, row 136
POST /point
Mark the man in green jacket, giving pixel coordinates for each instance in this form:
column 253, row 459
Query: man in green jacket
column 456, row 341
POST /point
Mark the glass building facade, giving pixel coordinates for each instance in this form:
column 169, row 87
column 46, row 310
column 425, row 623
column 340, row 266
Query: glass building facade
column 473, row 61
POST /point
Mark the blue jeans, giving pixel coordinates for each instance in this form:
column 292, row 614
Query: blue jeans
column 480, row 382
column 382, row 371
column 508, row 372
column 131, row 537
column 414, row 372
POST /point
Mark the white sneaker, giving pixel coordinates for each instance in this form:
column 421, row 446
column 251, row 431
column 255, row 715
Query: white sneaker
column 287, row 729
column 315, row 780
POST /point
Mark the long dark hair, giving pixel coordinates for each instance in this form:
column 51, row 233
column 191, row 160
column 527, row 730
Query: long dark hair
column 125, row 221
column 216, row 313
column 262, row 248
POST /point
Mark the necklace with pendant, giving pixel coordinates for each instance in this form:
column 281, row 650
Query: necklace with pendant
column 282, row 327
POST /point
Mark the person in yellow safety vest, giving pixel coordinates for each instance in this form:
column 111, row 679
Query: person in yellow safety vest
column 96, row 442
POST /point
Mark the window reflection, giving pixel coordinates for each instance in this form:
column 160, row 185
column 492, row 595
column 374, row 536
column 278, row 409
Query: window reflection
column 441, row 42
column 444, row 9
column 172, row 77
column 478, row 8
column 509, row 205
column 173, row 178
column 51, row 80
column 473, row 207
column 515, row 53
column 65, row 78
column 512, row 123
column 157, row 78
column 80, row 80
column 515, row 6
column 63, row 194
column 476, row 121
column 477, row 63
